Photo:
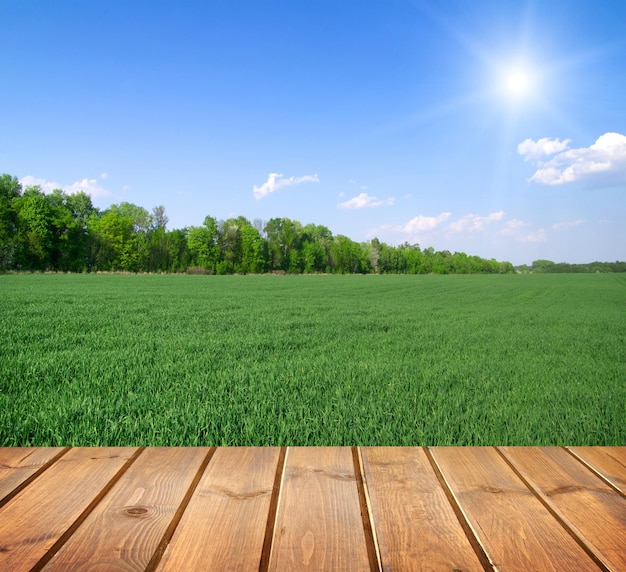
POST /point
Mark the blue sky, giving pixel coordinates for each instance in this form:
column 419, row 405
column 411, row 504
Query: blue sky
column 496, row 128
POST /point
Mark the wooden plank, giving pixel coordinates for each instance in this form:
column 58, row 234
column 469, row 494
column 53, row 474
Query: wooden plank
column 319, row 524
column 34, row 520
column 416, row 526
column 515, row 529
column 19, row 464
column 125, row 530
column 610, row 462
column 223, row 527
column 589, row 507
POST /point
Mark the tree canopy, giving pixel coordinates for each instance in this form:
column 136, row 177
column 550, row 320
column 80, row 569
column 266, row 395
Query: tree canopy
column 65, row 232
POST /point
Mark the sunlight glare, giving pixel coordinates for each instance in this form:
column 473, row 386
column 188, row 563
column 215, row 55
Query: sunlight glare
column 518, row 82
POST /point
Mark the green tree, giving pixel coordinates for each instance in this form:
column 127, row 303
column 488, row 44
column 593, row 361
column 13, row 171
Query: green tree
column 315, row 242
column 314, row 257
column 10, row 191
column 36, row 230
column 253, row 250
column 115, row 240
column 142, row 222
column 70, row 226
column 202, row 241
column 283, row 235
column 230, row 242
column 158, row 257
column 178, row 254
column 410, row 258
column 540, row 266
column 348, row 257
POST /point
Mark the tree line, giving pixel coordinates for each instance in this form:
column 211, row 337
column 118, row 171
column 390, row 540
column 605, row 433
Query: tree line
column 65, row 232
column 550, row 267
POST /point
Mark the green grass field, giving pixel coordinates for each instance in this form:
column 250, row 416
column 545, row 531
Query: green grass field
column 312, row 360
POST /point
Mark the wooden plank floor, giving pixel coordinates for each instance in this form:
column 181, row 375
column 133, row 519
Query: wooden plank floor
column 327, row 508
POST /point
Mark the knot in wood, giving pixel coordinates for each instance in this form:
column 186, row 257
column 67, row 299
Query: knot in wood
column 135, row 510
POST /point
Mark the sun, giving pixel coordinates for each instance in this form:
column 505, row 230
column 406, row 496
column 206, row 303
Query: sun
column 517, row 82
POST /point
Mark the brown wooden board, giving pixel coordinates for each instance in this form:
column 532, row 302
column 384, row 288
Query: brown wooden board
column 415, row 524
column 224, row 525
column 319, row 524
column 570, row 489
column 18, row 464
column 609, row 462
column 124, row 531
column 514, row 527
column 313, row 508
column 35, row 519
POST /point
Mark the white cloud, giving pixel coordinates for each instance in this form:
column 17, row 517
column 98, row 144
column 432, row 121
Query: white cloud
column 363, row 201
column 567, row 224
column 413, row 230
column 604, row 162
column 423, row 223
column 89, row 186
column 544, row 146
column 104, row 176
column 512, row 227
column 475, row 223
column 421, row 228
column 275, row 182
column 468, row 223
column 46, row 186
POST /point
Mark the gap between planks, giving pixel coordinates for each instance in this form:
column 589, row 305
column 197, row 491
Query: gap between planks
column 465, row 523
column 551, row 510
column 21, row 486
column 86, row 512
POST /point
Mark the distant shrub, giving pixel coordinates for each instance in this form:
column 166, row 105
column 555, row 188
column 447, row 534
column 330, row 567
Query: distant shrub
column 199, row 270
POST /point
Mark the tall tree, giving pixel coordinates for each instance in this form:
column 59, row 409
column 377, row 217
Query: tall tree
column 36, row 230
column 72, row 213
column 159, row 218
column 229, row 239
column 115, row 240
column 283, row 235
column 253, row 250
column 202, row 242
column 158, row 257
column 10, row 191
column 178, row 255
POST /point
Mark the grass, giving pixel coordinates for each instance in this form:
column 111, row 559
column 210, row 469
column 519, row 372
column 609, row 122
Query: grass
column 312, row 360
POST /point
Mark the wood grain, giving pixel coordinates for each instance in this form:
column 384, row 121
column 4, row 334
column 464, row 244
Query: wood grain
column 569, row 489
column 515, row 529
column 319, row 524
column 415, row 524
column 124, row 531
column 224, row 525
column 18, row 465
column 610, row 462
column 326, row 508
column 38, row 516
